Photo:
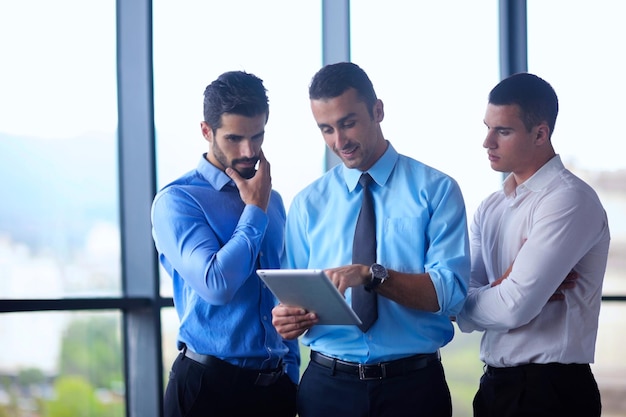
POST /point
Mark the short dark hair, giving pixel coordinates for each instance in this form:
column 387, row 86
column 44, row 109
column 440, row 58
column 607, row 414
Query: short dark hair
column 235, row 92
column 334, row 79
column 535, row 97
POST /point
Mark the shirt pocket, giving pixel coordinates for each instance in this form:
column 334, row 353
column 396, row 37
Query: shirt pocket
column 403, row 244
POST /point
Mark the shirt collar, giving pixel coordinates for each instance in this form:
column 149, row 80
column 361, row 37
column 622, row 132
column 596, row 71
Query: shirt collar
column 538, row 180
column 380, row 171
column 213, row 175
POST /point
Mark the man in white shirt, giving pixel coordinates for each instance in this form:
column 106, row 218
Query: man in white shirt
column 545, row 224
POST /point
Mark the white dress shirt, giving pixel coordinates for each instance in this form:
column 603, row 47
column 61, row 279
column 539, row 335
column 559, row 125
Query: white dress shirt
column 549, row 225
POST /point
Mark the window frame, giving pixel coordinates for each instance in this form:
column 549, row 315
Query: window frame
column 141, row 302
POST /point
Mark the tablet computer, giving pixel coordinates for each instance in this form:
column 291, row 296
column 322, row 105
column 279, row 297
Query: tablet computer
column 312, row 290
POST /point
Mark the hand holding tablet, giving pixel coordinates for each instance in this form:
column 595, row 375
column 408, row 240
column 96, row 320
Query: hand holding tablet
column 312, row 290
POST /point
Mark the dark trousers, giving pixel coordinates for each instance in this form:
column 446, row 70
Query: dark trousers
column 220, row 389
column 538, row 390
column 420, row 393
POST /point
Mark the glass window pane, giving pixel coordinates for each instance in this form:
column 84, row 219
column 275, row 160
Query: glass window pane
column 587, row 72
column 196, row 41
column 64, row 364
column 610, row 366
column 588, row 76
column 463, row 369
column 433, row 64
column 169, row 334
column 59, row 227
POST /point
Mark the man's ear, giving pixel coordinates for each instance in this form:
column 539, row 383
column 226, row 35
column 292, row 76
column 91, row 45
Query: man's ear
column 542, row 134
column 379, row 111
column 207, row 132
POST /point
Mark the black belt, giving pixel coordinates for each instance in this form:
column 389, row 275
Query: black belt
column 259, row 377
column 537, row 369
column 379, row 370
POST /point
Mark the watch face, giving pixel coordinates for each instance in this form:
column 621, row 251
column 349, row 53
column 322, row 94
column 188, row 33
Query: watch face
column 379, row 271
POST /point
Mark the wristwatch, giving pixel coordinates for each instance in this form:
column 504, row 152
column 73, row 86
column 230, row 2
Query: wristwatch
column 379, row 275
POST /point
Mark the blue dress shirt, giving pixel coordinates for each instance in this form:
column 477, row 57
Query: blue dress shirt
column 421, row 227
column 211, row 244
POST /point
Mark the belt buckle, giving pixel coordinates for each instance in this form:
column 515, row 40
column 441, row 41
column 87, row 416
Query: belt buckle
column 265, row 379
column 364, row 375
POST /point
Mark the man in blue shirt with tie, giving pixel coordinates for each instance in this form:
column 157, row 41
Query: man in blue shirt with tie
column 419, row 275
column 213, row 228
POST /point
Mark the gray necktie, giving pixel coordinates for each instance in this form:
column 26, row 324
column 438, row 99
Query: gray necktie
column 365, row 303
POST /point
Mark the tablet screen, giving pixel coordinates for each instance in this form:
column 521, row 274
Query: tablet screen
column 312, row 290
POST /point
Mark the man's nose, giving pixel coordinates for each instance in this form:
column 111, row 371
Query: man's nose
column 340, row 139
column 246, row 148
column 489, row 141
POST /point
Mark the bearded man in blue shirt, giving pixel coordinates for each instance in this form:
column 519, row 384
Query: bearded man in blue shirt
column 419, row 275
column 213, row 228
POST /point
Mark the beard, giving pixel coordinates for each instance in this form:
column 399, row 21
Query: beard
column 246, row 173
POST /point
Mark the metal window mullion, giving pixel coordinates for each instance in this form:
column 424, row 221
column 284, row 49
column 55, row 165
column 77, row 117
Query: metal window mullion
column 513, row 37
column 335, row 46
column 137, row 180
